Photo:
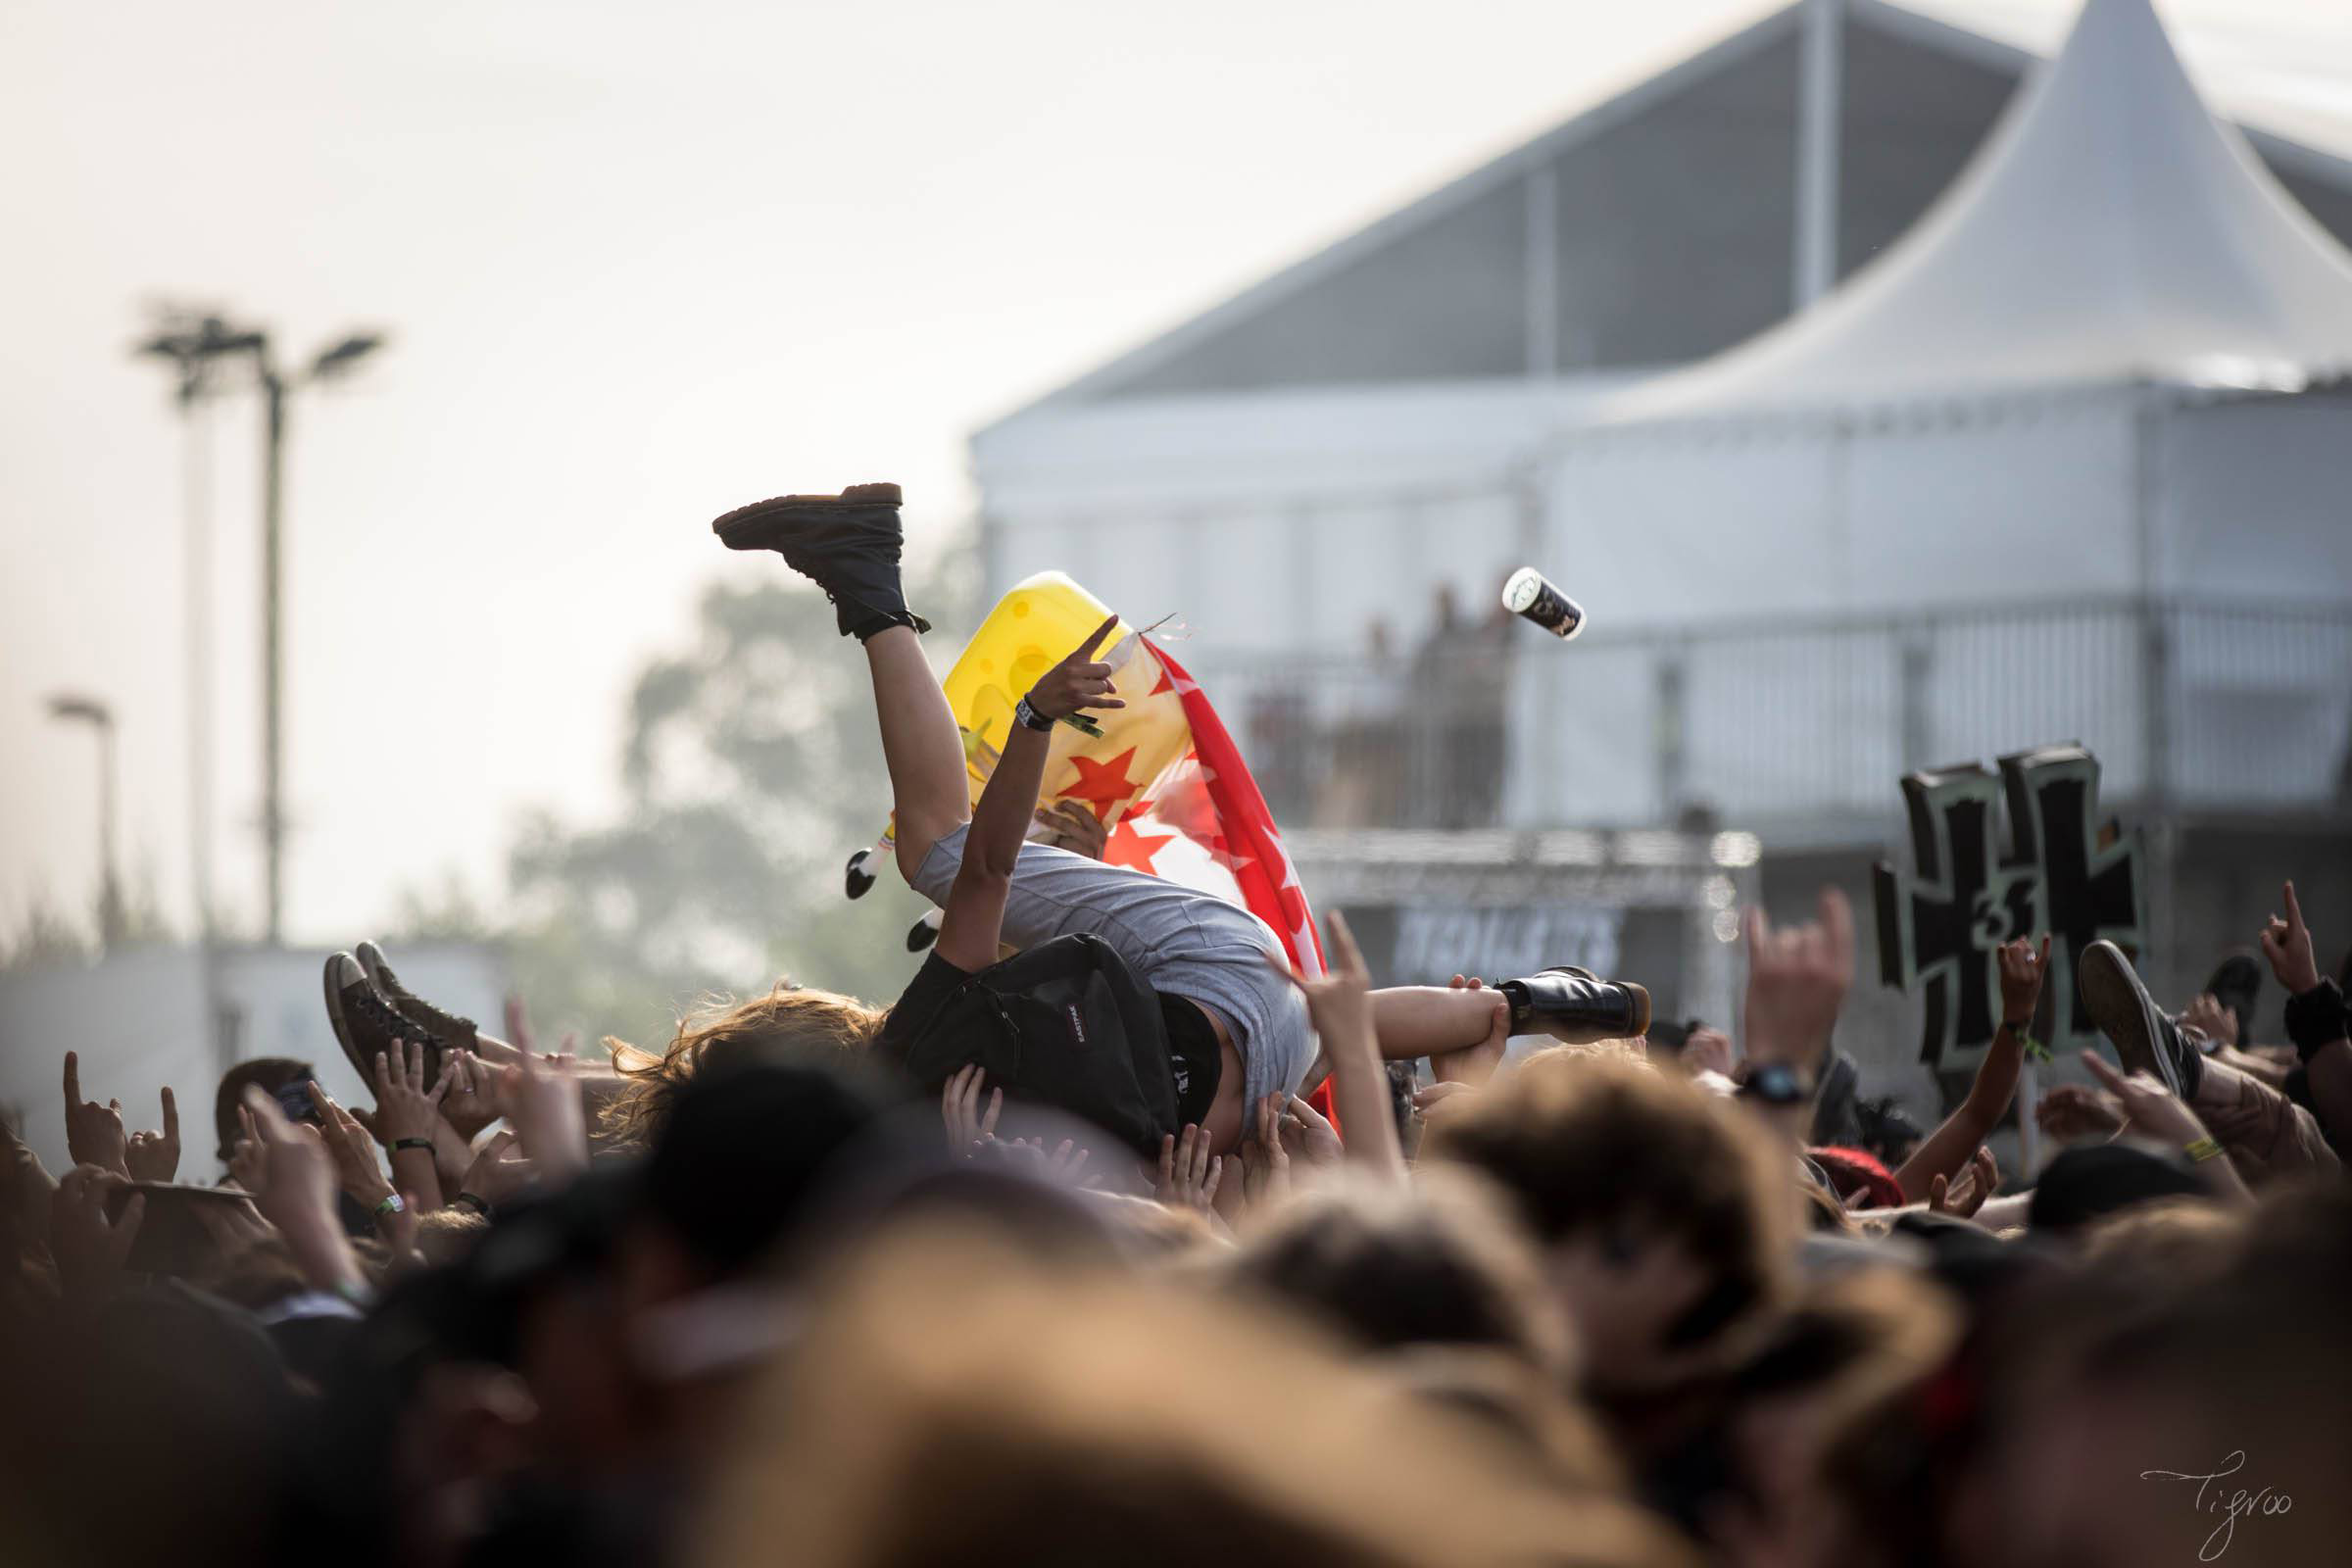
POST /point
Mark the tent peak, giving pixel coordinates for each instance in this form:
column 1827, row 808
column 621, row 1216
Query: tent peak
column 2110, row 229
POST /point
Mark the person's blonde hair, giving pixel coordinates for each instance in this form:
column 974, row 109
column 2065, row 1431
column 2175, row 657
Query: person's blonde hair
column 789, row 1020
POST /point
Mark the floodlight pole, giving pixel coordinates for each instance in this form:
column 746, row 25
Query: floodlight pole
column 100, row 718
column 191, row 342
column 1820, row 94
column 274, row 679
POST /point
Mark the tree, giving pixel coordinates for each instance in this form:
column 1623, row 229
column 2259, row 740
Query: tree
column 751, row 769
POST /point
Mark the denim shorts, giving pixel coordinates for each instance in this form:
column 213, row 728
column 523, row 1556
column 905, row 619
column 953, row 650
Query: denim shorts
column 1178, row 940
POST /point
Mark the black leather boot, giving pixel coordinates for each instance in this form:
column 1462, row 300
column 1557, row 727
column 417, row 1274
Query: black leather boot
column 1574, row 1006
column 847, row 544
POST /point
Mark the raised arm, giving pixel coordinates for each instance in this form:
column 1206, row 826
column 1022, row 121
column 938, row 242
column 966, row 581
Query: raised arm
column 1950, row 1147
column 2315, row 1017
column 1339, row 1002
column 973, row 917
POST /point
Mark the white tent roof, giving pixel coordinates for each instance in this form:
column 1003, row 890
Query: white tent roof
column 2110, row 231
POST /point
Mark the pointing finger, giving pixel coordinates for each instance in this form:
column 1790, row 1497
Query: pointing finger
column 1346, row 958
column 1086, row 649
column 2113, row 1080
column 73, row 1081
column 171, row 1115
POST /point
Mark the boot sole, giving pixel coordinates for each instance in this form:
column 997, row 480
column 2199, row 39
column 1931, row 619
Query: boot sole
column 2119, row 1005
column 767, row 524
column 342, row 1029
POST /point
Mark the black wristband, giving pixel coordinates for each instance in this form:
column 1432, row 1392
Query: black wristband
column 1025, row 713
column 399, row 1143
column 473, row 1201
column 2315, row 1018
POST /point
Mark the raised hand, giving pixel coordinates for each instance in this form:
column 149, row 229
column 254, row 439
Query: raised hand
column 404, row 1106
column 155, row 1156
column 1339, row 1001
column 1797, row 981
column 1073, row 827
column 1307, row 1136
column 2285, row 941
column 247, row 1159
column 499, row 1173
column 90, row 1249
column 2068, row 1111
column 2152, row 1110
column 93, row 1132
column 1963, row 1195
column 543, row 1102
column 292, row 1179
column 1078, row 682
column 1443, row 1096
column 356, row 1171
column 293, row 1176
column 1265, row 1164
column 471, row 1103
column 2205, row 1015
column 1060, row 1168
column 2022, row 972
column 1065, row 1162
column 1707, row 1051
column 969, row 1128
column 1187, row 1172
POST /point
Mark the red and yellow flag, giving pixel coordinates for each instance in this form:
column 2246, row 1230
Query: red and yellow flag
column 1164, row 778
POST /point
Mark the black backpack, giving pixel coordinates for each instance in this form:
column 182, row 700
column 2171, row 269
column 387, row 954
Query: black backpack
column 1066, row 1024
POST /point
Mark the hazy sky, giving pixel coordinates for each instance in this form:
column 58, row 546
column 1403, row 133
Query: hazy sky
column 639, row 264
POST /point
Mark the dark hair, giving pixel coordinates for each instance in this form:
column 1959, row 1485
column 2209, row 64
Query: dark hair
column 267, row 1073
column 1441, row 1263
column 748, row 1149
column 1888, row 1130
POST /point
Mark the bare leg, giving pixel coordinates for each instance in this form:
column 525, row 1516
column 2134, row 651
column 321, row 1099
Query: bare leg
column 1453, row 1026
column 1431, row 1020
column 921, row 746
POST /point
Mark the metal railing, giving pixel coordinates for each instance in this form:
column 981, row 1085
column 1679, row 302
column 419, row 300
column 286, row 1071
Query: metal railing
column 2203, row 705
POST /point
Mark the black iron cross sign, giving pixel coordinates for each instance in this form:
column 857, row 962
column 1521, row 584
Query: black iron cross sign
column 2065, row 874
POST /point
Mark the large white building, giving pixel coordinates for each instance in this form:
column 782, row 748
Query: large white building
column 1889, row 398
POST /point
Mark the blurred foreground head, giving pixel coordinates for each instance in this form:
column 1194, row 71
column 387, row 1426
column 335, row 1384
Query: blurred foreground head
column 1665, row 1218
column 1392, row 1266
column 956, row 1402
column 2199, row 1407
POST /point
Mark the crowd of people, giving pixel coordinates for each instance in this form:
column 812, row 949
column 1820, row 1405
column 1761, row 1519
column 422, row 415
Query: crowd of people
column 1055, row 1259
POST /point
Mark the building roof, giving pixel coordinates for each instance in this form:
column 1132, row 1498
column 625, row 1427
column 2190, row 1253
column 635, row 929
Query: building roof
column 1653, row 230
column 2112, row 229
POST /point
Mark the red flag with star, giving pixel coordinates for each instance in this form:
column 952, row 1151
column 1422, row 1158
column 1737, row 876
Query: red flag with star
column 1219, row 807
